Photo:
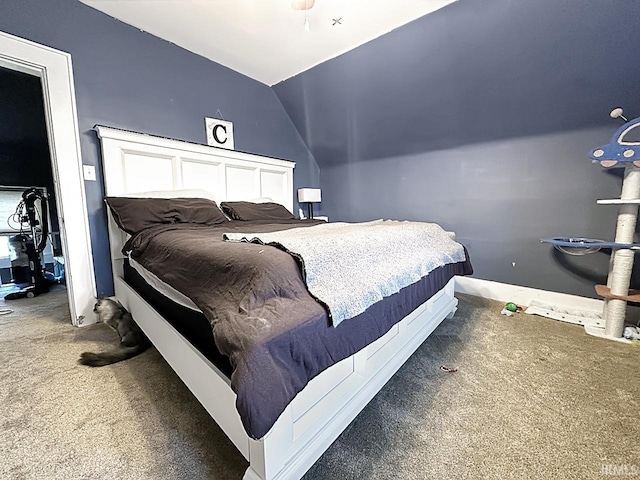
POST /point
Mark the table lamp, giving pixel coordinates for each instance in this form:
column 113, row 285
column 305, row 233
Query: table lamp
column 309, row 196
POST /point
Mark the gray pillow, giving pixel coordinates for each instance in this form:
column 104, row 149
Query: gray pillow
column 135, row 214
column 256, row 211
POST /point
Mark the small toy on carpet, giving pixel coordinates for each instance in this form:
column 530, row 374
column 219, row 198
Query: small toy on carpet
column 510, row 308
column 448, row 369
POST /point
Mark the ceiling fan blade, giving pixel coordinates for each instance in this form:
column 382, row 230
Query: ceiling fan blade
column 302, row 4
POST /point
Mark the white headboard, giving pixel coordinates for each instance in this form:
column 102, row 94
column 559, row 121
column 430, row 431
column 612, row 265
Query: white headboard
column 135, row 162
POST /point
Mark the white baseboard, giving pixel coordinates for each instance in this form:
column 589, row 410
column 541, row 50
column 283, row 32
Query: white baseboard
column 519, row 295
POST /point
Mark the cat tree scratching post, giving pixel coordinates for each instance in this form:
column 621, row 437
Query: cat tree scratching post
column 622, row 150
column 615, row 303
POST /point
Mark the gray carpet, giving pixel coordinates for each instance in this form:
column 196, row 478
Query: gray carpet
column 533, row 398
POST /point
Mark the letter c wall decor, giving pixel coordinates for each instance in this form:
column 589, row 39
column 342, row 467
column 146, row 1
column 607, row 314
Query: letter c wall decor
column 219, row 133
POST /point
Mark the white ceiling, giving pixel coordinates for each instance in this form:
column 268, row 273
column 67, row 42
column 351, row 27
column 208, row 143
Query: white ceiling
column 266, row 39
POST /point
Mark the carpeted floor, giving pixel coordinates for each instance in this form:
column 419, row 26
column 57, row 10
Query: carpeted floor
column 533, row 398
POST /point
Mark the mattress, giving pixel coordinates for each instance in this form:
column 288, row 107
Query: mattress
column 163, row 288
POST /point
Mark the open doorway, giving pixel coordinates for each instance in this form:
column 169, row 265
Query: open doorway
column 53, row 68
column 31, row 258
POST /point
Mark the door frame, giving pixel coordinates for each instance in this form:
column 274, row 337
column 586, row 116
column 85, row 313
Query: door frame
column 56, row 74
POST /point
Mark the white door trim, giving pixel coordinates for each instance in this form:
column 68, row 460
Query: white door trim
column 54, row 69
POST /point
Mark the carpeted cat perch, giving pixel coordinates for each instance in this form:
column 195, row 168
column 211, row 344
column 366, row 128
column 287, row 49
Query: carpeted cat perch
column 620, row 152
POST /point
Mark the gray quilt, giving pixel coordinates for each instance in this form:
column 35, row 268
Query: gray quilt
column 350, row 266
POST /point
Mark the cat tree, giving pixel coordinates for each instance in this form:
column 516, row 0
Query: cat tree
column 620, row 152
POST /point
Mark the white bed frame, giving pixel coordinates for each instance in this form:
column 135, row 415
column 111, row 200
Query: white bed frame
column 135, row 162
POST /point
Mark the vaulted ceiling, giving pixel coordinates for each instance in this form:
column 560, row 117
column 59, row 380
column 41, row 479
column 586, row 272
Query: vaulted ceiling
column 267, row 40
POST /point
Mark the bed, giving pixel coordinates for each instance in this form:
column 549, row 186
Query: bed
column 315, row 416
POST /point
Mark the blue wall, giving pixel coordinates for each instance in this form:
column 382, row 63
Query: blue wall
column 480, row 116
column 132, row 80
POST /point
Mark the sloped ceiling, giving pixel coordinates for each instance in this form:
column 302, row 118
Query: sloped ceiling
column 267, row 39
column 473, row 72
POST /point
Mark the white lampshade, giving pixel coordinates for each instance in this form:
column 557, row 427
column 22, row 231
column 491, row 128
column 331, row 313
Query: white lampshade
column 309, row 195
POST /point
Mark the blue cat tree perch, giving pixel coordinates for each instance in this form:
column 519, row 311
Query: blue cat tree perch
column 622, row 151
